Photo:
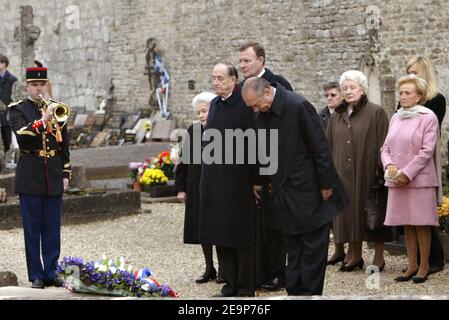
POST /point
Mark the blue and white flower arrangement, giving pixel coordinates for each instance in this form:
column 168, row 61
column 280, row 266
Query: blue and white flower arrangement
column 108, row 277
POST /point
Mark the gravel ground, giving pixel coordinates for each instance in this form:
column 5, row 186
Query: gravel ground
column 154, row 239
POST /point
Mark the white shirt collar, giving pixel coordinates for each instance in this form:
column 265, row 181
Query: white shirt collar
column 261, row 73
column 228, row 95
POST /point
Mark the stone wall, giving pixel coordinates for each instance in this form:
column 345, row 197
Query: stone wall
column 75, row 50
column 308, row 42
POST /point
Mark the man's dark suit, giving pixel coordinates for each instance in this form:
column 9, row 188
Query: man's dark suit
column 273, row 247
column 271, row 77
column 305, row 168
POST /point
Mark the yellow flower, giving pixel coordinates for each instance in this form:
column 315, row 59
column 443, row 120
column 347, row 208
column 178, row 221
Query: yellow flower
column 153, row 176
column 443, row 210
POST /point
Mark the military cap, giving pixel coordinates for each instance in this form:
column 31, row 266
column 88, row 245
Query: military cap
column 36, row 74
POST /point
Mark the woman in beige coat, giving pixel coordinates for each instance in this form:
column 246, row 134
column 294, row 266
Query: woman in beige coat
column 356, row 132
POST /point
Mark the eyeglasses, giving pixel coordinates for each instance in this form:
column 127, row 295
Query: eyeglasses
column 333, row 95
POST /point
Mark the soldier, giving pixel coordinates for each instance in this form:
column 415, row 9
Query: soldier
column 42, row 175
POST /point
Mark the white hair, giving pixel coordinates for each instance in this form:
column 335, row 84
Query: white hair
column 204, row 96
column 356, row 76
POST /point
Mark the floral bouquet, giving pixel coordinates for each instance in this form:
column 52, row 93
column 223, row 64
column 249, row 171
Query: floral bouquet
column 163, row 162
column 443, row 212
column 153, row 177
column 107, row 277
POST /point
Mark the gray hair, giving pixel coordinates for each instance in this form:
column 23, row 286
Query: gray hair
column 204, row 96
column 255, row 84
column 331, row 84
column 356, row 76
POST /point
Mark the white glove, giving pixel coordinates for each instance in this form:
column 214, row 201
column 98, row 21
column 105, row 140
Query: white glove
column 65, row 182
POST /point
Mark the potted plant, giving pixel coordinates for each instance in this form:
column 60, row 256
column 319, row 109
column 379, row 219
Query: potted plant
column 135, row 172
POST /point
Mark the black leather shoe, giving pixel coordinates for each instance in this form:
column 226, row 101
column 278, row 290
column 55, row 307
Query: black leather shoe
column 206, row 276
column 417, row 279
column 349, row 268
column 273, row 285
column 220, row 279
column 405, row 278
column 37, row 284
column 336, row 260
column 54, row 283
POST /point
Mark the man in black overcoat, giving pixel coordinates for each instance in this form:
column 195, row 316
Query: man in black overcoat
column 227, row 201
column 271, row 262
column 6, row 82
column 306, row 181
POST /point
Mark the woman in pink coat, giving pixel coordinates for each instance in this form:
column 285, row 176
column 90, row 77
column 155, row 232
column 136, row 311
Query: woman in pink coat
column 411, row 176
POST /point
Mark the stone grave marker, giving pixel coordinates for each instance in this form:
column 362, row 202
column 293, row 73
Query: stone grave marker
column 130, row 135
column 114, row 121
column 114, row 138
column 80, row 121
column 161, row 130
column 100, row 139
column 141, row 130
column 71, row 120
column 130, row 121
column 90, row 122
column 99, row 120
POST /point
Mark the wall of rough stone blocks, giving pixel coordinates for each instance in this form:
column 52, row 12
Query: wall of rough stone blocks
column 308, row 41
column 76, row 51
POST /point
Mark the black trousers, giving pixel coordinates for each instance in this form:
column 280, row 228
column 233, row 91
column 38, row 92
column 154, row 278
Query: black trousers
column 306, row 266
column 272, row 258
column 271, row 242
column 237, row 267
column 6, row 137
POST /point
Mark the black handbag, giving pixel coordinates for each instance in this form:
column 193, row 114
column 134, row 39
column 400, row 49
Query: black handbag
column 376, row 205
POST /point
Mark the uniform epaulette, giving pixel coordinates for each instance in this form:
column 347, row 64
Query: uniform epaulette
column 13, row 104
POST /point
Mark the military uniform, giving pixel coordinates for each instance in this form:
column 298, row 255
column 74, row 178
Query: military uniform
column 43, row 163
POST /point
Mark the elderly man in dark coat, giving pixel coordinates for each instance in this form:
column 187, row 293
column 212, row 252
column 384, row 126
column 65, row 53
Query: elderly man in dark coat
column 227, row 201
column 306, row 180
column 271, row 261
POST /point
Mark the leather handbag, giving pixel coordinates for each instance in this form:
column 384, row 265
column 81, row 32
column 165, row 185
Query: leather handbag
column 376, row 205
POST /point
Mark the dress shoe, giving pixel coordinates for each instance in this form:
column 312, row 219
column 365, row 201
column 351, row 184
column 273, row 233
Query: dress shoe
column 37, row 284
column 206, row 276
column 417, row 279
column 405, row 278
column 349, row 268
column 220, row 279
column 273, row 285
column 335, row 260
column 58, row 283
